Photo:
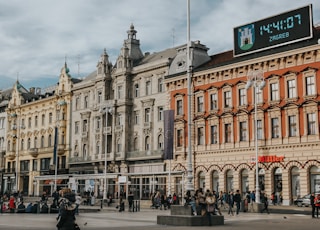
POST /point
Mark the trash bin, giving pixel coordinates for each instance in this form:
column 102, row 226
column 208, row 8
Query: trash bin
column 93, row 200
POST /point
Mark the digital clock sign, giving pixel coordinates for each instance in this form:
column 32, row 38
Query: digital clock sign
column 279, row 30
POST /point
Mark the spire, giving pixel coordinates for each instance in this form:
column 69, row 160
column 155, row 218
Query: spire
column 132, row 32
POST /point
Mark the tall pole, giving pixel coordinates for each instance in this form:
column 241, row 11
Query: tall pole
column 256, row 140
column 189, row 184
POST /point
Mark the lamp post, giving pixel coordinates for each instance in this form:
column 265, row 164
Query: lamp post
column 107, row 110
column 256, row 80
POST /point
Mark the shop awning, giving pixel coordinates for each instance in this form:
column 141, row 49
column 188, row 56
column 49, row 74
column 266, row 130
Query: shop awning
column 59, row 181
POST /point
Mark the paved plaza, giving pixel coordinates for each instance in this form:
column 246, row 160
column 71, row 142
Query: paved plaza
column 147, row 219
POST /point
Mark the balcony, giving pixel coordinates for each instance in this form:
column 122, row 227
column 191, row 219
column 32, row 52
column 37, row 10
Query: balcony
column 33, row 152
column 119, row 156
column 80, row 160
column 147, row 125
column 11, row 155
column 119, row 128
column 145, row 155
column 107, row 130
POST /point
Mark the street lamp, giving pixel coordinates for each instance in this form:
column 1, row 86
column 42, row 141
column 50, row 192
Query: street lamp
column 107, row 110
column 256, row 80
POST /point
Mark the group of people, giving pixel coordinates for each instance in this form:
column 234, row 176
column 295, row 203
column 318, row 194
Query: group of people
column 162, row 201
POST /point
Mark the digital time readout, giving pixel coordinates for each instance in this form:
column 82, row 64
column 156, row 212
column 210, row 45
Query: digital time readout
column 279, row 30
column 281, row 25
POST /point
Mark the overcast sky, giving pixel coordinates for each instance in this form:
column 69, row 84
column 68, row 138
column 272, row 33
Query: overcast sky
column 37, row 35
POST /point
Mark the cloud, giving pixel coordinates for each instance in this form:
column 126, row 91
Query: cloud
column 39, row 35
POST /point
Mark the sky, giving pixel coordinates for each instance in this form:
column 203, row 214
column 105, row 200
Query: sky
column 38, row 36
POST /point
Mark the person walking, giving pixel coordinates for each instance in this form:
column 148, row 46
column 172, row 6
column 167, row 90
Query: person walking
column 66, row 219
column 317, row 204
column 78, row 202
column 210, row 206
column 237, row 200
column 264, row 200
column 230, row 202
column 313, row 208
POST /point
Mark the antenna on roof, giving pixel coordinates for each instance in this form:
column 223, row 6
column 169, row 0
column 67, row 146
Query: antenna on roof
column 173, row 36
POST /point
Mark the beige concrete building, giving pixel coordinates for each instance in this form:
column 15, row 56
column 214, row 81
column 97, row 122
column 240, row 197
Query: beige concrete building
column 31, row 137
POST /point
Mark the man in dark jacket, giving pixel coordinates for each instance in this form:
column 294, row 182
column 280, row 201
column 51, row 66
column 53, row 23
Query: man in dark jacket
column 312, row 197
column 237, row 200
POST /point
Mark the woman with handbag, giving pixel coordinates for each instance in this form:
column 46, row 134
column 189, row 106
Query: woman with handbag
column 210, row 206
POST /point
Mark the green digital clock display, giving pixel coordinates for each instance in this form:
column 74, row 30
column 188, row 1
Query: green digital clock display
column 282, row 29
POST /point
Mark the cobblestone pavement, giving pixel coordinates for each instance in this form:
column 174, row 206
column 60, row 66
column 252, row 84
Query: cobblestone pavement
column 147, row 219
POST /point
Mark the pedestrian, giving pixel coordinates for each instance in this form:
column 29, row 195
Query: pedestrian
column 312, row 197
column 12, row 204
column 317, row 204
column 66, row 220
column 130, row 201
column 230, row 202
column 216, row 206
column 264, row 200
column 237, row 200
column 77, row 202
column 210, row 206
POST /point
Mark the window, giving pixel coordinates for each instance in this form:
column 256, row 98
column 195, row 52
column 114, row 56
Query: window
column 77, row 103
column 50, row 140
column 43, row 118
column 292, row 126
column 120, row 92
column 179, row 137
column 227, row 133
column 243, row 131
column 29, row 122
column 160, row 85
column 310, row 86
column 76, row 127
column 259, row 95
column 24, row 166
column 34, row 165
column 42, row 142
column 136, row 90
column 147, row 117
column 148, row 87
column 201, row 136
column 86, row 102
column 99, row 97
column 135, row 144
column 136, row 117
column 179, row 107
column 22, row 123
column 36, row 121
column 147, row 143
column 21, row 144
column 160, row 142
column 84, row 125
column 45, row 164
column 291, row 84
column 275, row 127
column 63, row 162
column 259, row 129
column 160, row 113
column 98, row 123
column 274, row 92
column 50, row 118
column 35, row 144
column 242, row 97
column 227, row 99
column 214, row 134
column 200, row 104
column 213, row 101
column 311, row 120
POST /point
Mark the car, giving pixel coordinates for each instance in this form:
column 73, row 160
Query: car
column 303, row 201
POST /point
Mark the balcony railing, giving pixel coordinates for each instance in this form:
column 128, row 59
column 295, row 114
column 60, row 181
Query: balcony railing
column 140, row 155
column 33, row 152
column 80, row 159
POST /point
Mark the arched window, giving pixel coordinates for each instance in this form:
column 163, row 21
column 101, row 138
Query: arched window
column 202, row 180
column 295, row 182
column 22, row 144
column 215, row 181
column 135, row 144
column 50, row 140
column 42, row 142
column 229, row 180
column 160, row 141
column 147, row 143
